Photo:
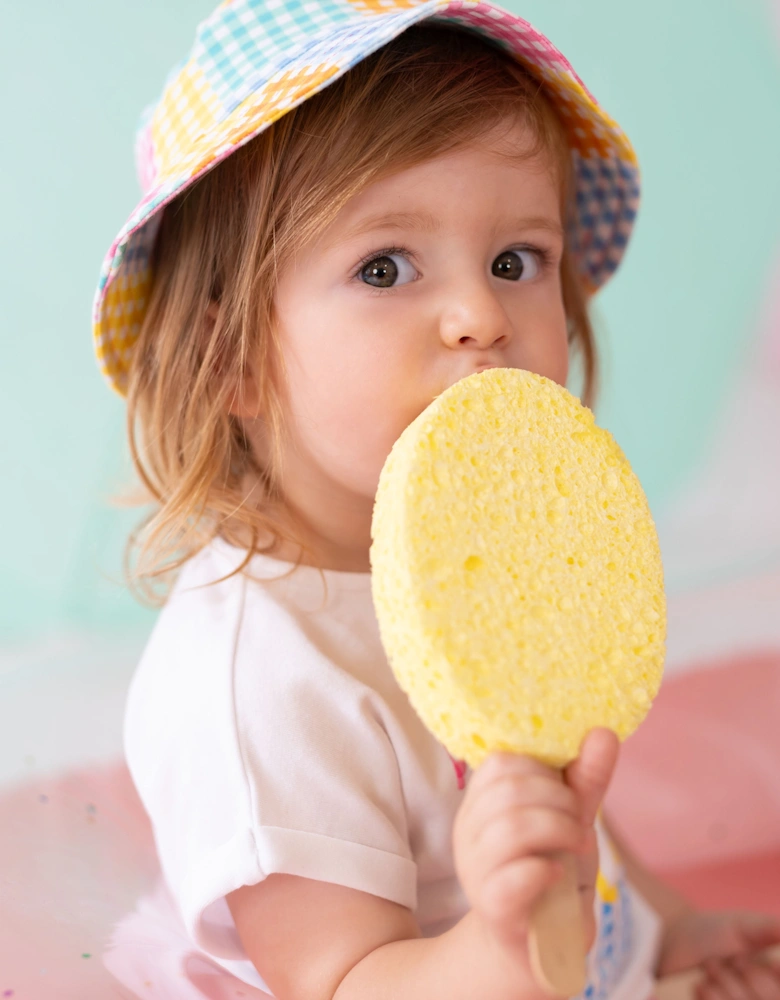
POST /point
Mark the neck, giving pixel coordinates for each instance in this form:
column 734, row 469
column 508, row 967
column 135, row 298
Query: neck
column 325, row 545
column 329, row 519
column 333, row 528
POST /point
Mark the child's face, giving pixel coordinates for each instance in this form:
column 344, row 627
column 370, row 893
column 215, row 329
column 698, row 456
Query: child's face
column 465, row 275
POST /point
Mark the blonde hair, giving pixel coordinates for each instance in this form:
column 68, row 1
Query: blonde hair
column 225, row 240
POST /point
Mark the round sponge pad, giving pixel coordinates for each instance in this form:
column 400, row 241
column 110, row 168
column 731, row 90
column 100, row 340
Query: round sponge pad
column 516, row 572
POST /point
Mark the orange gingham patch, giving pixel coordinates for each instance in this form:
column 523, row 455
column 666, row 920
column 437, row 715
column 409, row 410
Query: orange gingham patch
column 383, row 6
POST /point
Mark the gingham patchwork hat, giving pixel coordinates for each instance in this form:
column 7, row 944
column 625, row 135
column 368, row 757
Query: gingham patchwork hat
column 254, row 60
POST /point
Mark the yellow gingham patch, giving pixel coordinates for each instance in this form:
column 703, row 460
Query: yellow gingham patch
column 187, row 112
column 123, row 310
column 260, row 109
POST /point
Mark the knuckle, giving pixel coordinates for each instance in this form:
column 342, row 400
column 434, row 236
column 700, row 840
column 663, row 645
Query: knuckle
column 499, row 835
column 497, row 898
column 553, row 826
column 503, row 762
column 507, row 893
column 525, row 830
column 530, row 789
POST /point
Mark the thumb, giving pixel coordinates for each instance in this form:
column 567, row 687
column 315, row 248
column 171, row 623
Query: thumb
column 590, row 774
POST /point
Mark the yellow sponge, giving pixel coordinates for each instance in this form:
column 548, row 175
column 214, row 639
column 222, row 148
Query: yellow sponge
column 516, row 572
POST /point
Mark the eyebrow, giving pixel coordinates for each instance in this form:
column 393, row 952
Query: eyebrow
column 425, row 222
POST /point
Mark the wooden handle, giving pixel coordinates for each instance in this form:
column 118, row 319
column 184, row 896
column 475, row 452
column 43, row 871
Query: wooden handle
column 556, row 935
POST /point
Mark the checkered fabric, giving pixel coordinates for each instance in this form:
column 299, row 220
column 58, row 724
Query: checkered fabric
column 254, row 60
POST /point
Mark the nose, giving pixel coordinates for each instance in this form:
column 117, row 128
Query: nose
column 474, row 316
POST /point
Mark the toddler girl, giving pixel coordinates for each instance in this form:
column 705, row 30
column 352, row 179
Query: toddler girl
column 351, row 205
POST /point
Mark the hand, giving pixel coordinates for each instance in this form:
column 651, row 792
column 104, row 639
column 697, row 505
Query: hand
column 514, row 814
column 725, row 945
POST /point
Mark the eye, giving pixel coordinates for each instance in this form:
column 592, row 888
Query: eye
column 385, row 270
column 516, row 264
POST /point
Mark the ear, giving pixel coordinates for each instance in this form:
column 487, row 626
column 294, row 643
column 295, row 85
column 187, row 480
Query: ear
column 212, row 312
column 244, row 399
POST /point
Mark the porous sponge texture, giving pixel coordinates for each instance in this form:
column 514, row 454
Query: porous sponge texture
column 516, row 572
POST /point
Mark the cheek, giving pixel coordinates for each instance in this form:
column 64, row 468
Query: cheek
column 546, row 352
column 354, row 374
column 559, row 358
column 348, row 408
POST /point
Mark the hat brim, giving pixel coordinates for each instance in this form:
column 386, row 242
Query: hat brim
column 606, row 172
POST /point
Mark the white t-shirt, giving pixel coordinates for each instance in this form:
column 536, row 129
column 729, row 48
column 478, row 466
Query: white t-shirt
column 265, row 732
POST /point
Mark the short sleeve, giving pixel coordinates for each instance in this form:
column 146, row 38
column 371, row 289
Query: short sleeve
column 254, row 753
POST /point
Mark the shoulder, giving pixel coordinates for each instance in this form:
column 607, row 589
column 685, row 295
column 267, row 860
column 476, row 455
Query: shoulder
column 182, row 692
column 194, row 633
column 213, row 615
column 239, row 657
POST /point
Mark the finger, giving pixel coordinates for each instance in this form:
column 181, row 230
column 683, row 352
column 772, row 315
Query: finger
column 498, row 765
column 587, row 861
column 507, row 896
column 701, row 991
column 590, row 774
column 587, row 899
column 729, row 980
column 497, row 769
column 523, row 832
column 763, row 980
column 708, row 990
column 512, row 791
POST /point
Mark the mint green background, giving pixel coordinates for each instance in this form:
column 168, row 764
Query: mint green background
column 695, row 83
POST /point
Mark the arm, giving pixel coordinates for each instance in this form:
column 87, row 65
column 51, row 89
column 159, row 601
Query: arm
column 314, row 940
column 320, row 941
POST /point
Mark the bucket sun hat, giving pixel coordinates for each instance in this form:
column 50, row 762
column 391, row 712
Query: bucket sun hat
column 255, row 60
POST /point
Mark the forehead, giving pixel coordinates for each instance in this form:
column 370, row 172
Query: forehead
column 505, row 178
column 512, row 141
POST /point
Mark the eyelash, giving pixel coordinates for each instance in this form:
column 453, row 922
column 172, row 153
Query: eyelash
column 375, row 254
column 545, row 260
